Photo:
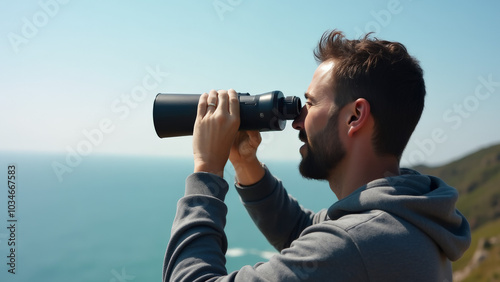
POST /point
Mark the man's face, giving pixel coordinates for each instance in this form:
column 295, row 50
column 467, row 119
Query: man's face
column 318, row 125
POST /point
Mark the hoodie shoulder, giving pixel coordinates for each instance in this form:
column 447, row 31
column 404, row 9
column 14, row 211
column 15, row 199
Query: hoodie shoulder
column 423, row 202
column 390, row 247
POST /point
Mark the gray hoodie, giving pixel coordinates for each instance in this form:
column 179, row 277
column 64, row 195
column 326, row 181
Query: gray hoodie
column 402, row 228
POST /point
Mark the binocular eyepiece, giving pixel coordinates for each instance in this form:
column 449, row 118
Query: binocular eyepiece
column 174, row 114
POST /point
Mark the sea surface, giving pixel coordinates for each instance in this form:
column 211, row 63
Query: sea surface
column 108, row 217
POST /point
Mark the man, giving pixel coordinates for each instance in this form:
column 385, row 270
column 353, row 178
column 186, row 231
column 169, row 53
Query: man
column 389, row 224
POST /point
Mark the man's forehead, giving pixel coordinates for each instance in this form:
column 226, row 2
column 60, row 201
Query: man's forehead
column 324, row 71
column 322, row 81
column 326, row 66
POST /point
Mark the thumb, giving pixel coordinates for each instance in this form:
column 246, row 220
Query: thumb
column 254, row 138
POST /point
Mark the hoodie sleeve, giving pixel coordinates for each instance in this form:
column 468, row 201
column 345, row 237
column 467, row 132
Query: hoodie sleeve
column 198, row 243
column 277, row 215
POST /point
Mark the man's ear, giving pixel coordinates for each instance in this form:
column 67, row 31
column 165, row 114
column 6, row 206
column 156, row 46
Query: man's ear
column 360, row 113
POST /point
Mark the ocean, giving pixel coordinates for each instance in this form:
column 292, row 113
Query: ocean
column 108, row 217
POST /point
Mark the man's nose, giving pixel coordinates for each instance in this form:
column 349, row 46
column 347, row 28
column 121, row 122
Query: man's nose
column 298, row 122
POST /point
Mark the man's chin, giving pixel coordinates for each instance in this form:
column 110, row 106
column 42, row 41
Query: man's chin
column 307, row 168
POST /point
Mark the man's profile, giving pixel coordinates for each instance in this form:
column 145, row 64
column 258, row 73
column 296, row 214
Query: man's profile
column 389, row 223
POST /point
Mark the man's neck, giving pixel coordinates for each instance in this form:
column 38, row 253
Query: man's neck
column 358, row 169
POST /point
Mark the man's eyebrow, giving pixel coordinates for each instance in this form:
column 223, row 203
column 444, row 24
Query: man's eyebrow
column 308, row 96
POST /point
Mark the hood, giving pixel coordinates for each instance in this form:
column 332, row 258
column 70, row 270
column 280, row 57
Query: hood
column 424, row 201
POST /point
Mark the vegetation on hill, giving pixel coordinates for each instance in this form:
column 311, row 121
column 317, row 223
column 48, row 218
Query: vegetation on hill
column 481, row 262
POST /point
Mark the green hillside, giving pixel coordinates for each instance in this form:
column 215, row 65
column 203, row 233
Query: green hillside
column 482, row 261
column 477, row 178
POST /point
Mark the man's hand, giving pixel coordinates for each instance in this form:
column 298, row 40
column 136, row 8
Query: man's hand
column 243, row 156
column 244, row 148
column 215, row 129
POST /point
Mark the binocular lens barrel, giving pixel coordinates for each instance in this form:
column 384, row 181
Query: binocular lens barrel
column 174, row 114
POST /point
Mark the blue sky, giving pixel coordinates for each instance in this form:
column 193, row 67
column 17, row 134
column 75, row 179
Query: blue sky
column 81, row 76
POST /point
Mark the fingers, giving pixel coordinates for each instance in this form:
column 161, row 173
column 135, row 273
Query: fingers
column 221, row 101
column 234, row 103
column 212, row 101
column 254, row 137
column 202, row 105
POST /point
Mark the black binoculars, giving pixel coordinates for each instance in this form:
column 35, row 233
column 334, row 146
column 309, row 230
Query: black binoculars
column 174, row 114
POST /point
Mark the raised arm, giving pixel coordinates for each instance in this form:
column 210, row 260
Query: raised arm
column 278, row 216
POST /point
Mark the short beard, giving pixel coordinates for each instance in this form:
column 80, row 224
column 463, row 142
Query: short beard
column 324, row 153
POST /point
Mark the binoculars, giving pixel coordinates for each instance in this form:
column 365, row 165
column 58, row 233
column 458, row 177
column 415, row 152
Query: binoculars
column 175, row 114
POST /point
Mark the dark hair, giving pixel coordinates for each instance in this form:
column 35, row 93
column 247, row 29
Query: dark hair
column 385, row 75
